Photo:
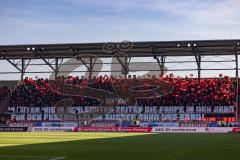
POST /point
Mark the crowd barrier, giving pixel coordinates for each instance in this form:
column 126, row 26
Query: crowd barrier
column 124, row 129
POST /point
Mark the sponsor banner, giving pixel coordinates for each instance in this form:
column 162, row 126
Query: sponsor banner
column 51, row 129
column 37, row 124
column 21, row 124
column 144, row 124
column 126, row 124
column 212, row 124
column 168, row 124
column 13, row 129
column 114, row 129
column 50, row 124
column 219, row 129
column 192, row 129
column 179, row 129
column 198, row 124
column 159, row 124
column 68, row 124
column 124, row 129
column 236, row 130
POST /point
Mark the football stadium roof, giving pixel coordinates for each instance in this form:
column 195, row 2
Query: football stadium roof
column 52, row 55
column 135, row 49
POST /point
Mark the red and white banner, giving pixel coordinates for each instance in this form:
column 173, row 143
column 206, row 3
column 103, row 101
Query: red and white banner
column 236, row 130
column 114, row 129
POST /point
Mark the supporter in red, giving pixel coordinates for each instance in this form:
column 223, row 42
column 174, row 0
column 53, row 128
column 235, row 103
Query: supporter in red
column 186, row 91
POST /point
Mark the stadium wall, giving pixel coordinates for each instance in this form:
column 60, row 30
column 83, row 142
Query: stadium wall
column 124, row 129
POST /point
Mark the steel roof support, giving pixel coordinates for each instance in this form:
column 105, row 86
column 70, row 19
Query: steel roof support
column 48, row 63
column 56, row 69
column 124, row 61
column 13, row 64
column 161, row 62
column 22, row 69
column 24, row 65
column 10, row 61
column 237, row 82
column 38, row 53
column 89, row 62
column 198, row 61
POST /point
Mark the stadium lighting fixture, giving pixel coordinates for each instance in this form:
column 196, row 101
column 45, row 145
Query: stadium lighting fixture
column 194, row 44
column 28, row 49
column 33, row 48
column 238, row 44
column 189, row 45
column 178, row 45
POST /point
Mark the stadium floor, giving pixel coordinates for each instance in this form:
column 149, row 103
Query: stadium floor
column 118, row 146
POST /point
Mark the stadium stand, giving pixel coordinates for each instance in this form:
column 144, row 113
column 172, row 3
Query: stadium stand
column 186, row 92
column 95, row 99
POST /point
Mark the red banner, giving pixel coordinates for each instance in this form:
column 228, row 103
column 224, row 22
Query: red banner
column 236, row 130
column 114, row 129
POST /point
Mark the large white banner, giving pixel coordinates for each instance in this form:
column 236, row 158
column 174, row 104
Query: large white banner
column 125, row 113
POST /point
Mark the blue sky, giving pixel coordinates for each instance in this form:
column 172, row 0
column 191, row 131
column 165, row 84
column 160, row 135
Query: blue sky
column 68, row 21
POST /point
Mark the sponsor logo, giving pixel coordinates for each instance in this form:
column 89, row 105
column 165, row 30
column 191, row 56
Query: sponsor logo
column 13, row 129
